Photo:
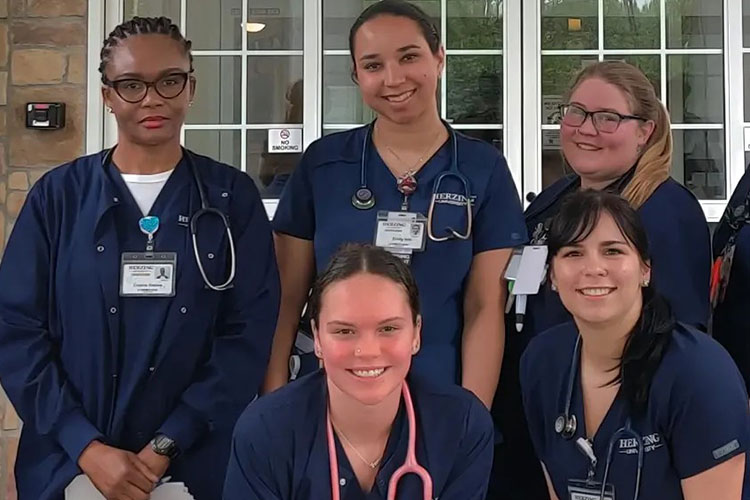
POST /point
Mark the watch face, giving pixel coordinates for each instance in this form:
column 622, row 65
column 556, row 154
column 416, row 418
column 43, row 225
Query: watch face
column 163, row 444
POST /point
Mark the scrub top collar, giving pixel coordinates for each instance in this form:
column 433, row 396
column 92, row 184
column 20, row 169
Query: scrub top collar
column 393, row 456
column 569, row 183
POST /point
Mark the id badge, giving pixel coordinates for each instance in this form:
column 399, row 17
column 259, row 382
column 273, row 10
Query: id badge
column 148, row 274
column 589, row 490
column 402, row 232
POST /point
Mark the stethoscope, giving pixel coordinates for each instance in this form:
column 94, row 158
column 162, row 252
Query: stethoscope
column 204, row 210
column 567, row 424
column 364, row 199
column 410, row 466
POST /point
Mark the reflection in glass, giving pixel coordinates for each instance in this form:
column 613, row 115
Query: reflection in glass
column 558, row 73
column 271, row 84
column 270, row 171
column 553, row 165
column 650, row 65
column 493, row 136
column 274, row 25
column 218, row 90
column 474, row 24
column 475, row 89
column 695, row 88
column 151, row 8
column 570, row 24
column 215, row 25
column 339, row 15
column 695, row 24
column 342, row 102
column 631, row 25
column 698, row 162
column 221, row 145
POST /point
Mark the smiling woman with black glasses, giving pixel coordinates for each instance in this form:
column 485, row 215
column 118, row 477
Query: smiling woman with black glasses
column 133, row 332
column 615, row 136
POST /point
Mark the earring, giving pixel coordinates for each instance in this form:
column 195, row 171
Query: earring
column 109, row 109
column 645, row 283
column 190, row 104
column 358, row 351
column 554, row 287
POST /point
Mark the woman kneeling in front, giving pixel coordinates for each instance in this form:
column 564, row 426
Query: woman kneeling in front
column 349, row 430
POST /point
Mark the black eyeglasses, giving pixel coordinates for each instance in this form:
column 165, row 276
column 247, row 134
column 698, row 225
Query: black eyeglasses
column 604, row 121
column 134, row 91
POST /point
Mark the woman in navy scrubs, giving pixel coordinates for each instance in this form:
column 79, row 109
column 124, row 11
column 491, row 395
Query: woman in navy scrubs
column 348, row 425
column 615, row 136
column 731, row 293
column 376, row 183
column 122, row 361
column 624, row 398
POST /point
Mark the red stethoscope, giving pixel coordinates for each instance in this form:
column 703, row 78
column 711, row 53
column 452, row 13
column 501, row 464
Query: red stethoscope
column 410, row 466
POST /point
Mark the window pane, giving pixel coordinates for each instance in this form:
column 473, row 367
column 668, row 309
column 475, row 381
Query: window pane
column 274, row 25
column 274, row 93
column 214, row 25
column 269, row 170
column 222, row 145
column 342, row 102
column 699, row 162
column 553, row 165
column 650, row 65
column 629, row 25
column 558, row 73
column 151, row 8
column 746, row 81
column 475, row 89
column 474, row 24
column 570, row 24
column 218, row 90
column 493, row 136
column 746, row 23
column 694, row 24
column 339, row 15
column 695, row 88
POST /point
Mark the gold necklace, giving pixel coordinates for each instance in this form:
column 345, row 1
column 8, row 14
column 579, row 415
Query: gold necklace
column 413, row 170
column 372, row 465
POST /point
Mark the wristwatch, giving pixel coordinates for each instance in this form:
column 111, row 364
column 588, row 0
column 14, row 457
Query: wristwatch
column 165, row 446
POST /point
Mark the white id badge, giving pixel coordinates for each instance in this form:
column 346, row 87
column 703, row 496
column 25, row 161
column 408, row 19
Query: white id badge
column 589, row 490
column 401, row 231
column 531, row 270
column 148, row 274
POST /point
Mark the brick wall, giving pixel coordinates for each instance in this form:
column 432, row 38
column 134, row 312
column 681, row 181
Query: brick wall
column 42, row 58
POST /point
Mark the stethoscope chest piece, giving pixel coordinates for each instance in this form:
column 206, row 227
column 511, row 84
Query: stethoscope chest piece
column 566, row 425
column 363, row 199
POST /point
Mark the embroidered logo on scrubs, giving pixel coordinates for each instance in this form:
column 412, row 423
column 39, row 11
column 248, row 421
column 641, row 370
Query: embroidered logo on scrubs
column 725, row 450
column 629, row 446
column 456, row 199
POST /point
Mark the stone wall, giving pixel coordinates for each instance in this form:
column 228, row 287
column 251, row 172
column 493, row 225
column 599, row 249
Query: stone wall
column 42, row 59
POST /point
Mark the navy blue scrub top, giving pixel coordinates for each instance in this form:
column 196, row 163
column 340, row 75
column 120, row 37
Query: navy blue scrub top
column 731, row 320
column 317, row 205
column 696, row 417
column 679, row 246
column 81, row 363
column 280, row 446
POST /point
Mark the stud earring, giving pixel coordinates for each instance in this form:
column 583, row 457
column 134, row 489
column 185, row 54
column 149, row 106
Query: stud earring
column 554, row 287
column 109, row 109
column 358, row 351
column 645, row 283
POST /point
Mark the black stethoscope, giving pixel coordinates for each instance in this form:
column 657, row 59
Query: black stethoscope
column 566, row 426
column 204, row 210
column 364, row 199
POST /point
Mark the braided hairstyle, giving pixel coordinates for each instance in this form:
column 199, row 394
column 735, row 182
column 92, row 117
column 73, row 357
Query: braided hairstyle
column 142, row 26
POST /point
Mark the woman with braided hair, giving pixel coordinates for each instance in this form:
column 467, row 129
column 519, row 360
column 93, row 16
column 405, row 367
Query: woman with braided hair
column 135, row 325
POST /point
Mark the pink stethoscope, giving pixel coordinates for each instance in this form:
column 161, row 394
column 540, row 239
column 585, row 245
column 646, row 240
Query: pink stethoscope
column 410, row 466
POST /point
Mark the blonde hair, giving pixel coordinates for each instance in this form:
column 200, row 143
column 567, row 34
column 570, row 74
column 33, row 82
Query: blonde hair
column 654, row 164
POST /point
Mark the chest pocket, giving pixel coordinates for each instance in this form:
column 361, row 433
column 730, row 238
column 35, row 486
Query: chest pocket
column 212, row 242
